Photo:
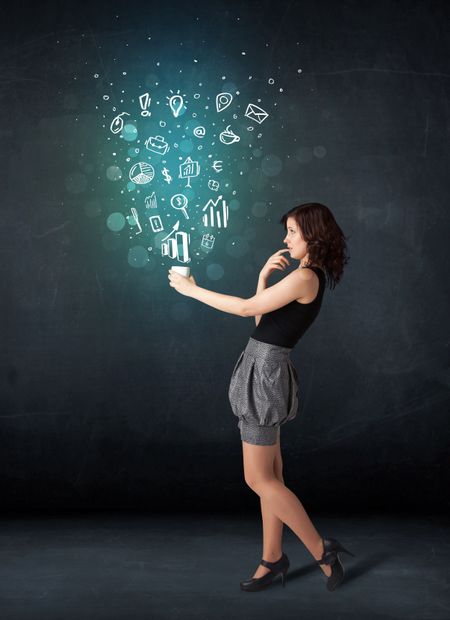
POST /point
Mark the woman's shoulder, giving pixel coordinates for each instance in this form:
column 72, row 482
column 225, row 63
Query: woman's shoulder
column 310, row 271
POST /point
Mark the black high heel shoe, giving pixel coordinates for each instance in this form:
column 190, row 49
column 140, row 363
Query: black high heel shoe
column 259, row 583
column 331, row 549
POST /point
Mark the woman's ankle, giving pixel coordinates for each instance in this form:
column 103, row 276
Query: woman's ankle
column 319, row 550
column 272, row 556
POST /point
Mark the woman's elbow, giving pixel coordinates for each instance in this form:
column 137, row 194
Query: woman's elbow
column 247, row 310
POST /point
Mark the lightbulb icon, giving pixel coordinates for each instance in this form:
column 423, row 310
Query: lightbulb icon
column 176, row 104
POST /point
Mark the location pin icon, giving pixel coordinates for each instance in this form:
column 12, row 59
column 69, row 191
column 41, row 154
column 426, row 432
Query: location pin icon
column 175, row 104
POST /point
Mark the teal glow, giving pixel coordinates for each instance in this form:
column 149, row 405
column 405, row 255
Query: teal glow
column 115, row 221
column 242, row 170
column 271, row 165
column 259, row 209
column 137, row 256
column 186, row 146
column 114, row 173
column 129, row 132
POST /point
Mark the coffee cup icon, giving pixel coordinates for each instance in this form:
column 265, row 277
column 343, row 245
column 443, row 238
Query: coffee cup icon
column 228, row 136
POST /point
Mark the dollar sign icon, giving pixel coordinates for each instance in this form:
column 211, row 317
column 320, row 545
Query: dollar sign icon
column 166, row 176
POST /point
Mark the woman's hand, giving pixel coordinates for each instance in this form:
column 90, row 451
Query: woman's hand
column 276, row 261
column 180, row 283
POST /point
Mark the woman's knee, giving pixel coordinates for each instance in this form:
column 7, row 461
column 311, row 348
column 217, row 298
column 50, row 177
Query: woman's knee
column 261, row 464
column 255, row 478
column 255, row 482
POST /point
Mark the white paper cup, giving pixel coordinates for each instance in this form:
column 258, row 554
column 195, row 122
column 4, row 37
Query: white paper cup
column 184, row 271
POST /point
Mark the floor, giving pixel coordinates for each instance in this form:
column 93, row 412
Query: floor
column 189, row 566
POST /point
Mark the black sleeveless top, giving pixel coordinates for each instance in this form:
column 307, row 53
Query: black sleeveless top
column 285, row 326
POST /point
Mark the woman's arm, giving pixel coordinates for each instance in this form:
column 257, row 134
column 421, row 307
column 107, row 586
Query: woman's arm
column 295, row 285
column 262, row 284
column 226, row 303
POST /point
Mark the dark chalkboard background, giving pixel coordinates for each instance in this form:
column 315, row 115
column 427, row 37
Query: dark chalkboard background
column 114, row 386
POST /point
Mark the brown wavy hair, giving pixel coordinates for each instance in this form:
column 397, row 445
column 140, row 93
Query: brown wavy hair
column 324, row 238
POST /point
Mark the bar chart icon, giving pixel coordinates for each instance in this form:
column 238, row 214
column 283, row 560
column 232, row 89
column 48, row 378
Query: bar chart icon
column 216, row 213
column 176, row 245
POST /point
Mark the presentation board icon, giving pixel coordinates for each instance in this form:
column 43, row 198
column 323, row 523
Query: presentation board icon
column 141, row 173
column 216, row 213
column 189, row 169
column 157, row 144
column 223, row 100
column 255, row 113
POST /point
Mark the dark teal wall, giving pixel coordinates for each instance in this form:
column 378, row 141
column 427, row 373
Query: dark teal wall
column 113, row 385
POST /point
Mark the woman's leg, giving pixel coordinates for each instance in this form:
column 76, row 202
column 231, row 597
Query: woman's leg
column 260, row 477
column 272, row 525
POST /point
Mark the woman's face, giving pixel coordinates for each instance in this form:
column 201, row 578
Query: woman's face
column 294, row 240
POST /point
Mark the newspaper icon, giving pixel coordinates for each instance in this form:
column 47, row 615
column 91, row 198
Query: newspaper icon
column 255, row 113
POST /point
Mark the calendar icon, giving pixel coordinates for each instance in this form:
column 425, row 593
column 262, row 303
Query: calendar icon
column 208, row 241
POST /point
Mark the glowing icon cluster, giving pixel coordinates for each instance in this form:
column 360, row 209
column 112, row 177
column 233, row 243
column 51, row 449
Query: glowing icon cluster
column 164, row 161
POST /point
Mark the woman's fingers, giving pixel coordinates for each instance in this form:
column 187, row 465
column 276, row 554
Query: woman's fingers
column 283, row 260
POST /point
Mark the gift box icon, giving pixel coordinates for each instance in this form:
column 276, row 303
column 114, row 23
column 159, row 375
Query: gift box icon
column 157, row 144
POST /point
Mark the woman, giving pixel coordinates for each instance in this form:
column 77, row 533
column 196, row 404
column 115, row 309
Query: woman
column 263, row 389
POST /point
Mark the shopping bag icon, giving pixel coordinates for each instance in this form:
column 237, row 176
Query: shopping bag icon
column 255, row 113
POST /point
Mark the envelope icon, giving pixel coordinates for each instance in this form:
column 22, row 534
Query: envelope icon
column 255, row 113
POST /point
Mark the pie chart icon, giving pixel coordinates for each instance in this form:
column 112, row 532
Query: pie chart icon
column 142, row 173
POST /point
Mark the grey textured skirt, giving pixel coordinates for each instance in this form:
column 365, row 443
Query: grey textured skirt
column 263, row 391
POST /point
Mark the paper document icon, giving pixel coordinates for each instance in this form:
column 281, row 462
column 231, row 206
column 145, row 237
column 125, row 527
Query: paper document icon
column 255, row 113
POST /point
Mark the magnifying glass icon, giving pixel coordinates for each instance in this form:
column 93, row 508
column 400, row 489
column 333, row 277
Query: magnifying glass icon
column 179, row 201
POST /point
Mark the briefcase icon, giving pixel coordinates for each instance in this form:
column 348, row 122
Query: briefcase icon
column 157, row 144
column 255, row 113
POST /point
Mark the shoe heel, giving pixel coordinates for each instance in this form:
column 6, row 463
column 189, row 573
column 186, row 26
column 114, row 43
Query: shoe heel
column 339, row 547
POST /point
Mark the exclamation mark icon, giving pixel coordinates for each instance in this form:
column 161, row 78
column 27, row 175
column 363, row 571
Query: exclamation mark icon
column 145, row 101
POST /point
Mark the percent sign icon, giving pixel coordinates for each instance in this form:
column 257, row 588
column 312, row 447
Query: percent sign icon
column 179, row 202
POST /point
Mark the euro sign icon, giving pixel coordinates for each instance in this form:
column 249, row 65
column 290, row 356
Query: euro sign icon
column 217, row 166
